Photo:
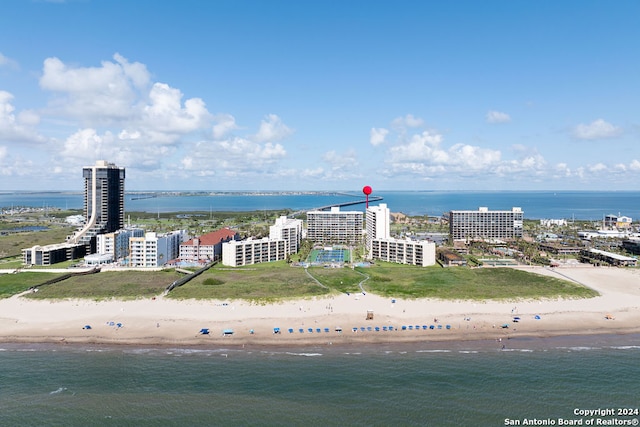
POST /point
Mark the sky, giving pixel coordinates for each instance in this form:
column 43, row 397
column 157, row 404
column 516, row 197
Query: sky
column 321, row 95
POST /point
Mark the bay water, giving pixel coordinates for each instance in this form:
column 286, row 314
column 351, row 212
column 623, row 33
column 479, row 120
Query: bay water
column 580, row 205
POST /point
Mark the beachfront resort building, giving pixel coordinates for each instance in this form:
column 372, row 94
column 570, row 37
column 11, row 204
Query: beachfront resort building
column 289, row 230
column 378, row 223
column 484, row 224
column 116, row 244
column 103, row 208
column 103, row 201
column 253, row 251
column 335, row 226
column 155, row 250
column 404, row 251
column 207, row 247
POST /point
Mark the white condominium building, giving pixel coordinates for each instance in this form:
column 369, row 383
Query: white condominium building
column 246, row 252
column 486, row 224
column 378, row 223
column 422, row 253
column 116, row 244
column 153, row 250
column 334, row 226
column 288, row 229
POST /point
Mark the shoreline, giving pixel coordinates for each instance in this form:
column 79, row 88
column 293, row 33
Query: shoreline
column 164, row 322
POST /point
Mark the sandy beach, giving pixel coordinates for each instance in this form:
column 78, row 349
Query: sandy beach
column 163, row 321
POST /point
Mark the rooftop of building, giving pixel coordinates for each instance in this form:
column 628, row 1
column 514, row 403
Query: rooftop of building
column 213, row 238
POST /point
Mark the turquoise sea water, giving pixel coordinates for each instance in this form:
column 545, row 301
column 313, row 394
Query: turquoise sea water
column 420, row 384
column 536, row 204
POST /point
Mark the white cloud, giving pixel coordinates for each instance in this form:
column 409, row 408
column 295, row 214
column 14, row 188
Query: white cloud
column 111, row 91
column 341, row 161
column 7, row 62
column 20, row 128
column 598, row 129
column 224, row 123
column 165, row 114
column 82, row 145
column 497, row 117
column 408, row 121
column 272, row 129
column 634, row 165
column 598, row 167
column 377, row 136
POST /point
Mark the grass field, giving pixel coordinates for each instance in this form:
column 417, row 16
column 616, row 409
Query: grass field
column 11, row 245
column 396, row 280
column 261, row 282
column 11, row 284
column 276, row 281
column 113, row 284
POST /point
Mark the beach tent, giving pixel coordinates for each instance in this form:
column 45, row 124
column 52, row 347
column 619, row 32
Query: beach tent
column 537, row 317
column 226, row 332
column 391, row 328
column 204, row 331
column 276, row 330
column 326, row 329
column 87, row 327
column 290, row 330
column 338, row 329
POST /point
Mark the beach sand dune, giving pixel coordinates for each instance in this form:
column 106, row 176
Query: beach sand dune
column 163, row 321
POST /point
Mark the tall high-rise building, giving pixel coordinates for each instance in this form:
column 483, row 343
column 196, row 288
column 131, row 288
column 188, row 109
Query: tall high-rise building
column 486, row 224
column 378, row 223
column 334, row 226
column 103, row 200
column 104, row 212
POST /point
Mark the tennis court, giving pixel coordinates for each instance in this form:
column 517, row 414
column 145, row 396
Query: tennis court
column 329, row 255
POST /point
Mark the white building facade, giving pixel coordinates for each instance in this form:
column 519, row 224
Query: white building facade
column 486, row 224
column 116, row 244
column 153, row 250
column 335, row 226
column 288, row 229
column 378, row 220
column 404, row 251
column 247, row 252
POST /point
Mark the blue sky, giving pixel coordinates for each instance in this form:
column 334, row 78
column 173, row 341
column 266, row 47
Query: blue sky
column 321, row 95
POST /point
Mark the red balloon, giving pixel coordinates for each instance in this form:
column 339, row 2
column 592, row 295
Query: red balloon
column 367, row 190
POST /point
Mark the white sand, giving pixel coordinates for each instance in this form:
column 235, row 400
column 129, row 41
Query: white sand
column 167, row 322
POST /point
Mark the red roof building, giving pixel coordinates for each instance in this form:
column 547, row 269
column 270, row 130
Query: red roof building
column 207, row 247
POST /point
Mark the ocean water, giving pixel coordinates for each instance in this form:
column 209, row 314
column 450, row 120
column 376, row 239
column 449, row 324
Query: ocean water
column 419, row 384
column 582, row 205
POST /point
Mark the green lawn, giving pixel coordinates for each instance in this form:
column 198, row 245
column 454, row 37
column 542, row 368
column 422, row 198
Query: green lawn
column 395, row 280
column 112, row 284
column 275, row 281
column 11, row 284
column 261, row 282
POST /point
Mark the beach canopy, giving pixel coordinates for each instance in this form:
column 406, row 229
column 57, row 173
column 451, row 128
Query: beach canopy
column 537, row 317
column 204, row 331
column 276, row 330
column 87, row 327
column 228, row 331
